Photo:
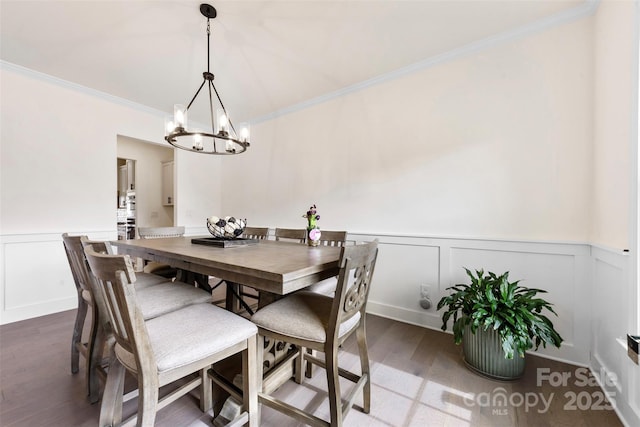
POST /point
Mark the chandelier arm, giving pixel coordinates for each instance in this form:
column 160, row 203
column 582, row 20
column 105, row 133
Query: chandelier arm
column 224, row 109
column 196, row 95
column 233, row 128
column 215, row 149
column 211, row 106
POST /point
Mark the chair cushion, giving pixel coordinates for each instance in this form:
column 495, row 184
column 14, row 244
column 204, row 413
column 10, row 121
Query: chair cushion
column 325, row 287
column 190, row 334
column 144, row 280
column 303, row 315
column 165, row 297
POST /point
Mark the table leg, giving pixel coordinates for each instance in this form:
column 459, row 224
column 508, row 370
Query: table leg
column 197, row 279
column 232, row 304
column 234, row 301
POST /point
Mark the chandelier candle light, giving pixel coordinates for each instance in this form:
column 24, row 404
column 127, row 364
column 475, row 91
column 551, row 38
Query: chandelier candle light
column 177, row 132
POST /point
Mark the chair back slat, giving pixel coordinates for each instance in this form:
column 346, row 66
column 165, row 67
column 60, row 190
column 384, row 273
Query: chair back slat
column 259, row 233
column 357, row 264
column 159, row 232
column 333, row 238
column 296, row 234
column 113, row 309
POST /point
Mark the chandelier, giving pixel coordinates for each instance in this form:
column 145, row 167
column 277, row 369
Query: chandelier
column 222, row 137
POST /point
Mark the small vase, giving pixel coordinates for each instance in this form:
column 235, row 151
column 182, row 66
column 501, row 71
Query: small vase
column 313, row 236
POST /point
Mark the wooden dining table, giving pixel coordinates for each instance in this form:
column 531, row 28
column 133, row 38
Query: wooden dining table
column 272, row 266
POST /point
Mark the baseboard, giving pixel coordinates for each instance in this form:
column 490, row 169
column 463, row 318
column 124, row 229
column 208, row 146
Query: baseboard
column 36, row 310
column 428, row 319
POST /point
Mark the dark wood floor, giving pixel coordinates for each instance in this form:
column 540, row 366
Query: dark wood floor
column 418, row 378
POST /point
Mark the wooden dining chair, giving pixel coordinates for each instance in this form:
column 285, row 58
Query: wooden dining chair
column 167, row 348
column 291, row 234
column 86, row 300
column 322, row 323
column 260, row 233
column 80, row 346
column 325, row 287
column 333, row 238
column 157, row 233
column 159, row 296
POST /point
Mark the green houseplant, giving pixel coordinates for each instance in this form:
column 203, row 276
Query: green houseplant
column 492, row 309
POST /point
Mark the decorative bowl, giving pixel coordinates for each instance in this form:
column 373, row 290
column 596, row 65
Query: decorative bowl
column 227, row 227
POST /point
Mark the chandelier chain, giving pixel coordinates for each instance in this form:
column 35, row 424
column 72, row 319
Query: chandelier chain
column 208, row 46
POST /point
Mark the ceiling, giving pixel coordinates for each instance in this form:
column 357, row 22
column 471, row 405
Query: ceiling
column 267, row 55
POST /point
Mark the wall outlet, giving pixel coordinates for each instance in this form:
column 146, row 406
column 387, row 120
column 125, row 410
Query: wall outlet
column 425, row 297
column 425, row 290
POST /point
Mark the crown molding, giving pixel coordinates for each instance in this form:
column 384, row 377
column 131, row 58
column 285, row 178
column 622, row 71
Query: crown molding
column 585, row 9
column 18, row 69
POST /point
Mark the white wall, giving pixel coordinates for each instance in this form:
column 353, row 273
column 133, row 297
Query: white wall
column 495, row 144
column 612, row 106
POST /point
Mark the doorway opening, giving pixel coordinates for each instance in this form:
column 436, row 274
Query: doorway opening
column 145, row 186
column 126, row 199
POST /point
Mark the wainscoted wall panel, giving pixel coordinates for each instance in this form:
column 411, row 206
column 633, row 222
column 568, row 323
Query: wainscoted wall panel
column 617, row 375
column 45, row 280
column 36, row 279
column 552, row 272
column 402, row 268
column 562, row 269
column 610, row 315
